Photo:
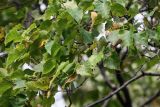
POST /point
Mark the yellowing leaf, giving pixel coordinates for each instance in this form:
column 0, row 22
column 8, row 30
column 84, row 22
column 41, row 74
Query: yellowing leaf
column 115, row 26
column 2, row 33
column 42, row 43
column 93, row 18
column 41, row 83
column 48, row 94
column 71, row 78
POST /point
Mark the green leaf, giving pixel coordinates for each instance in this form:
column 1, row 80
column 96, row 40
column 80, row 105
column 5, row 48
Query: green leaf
column 113, row 37
column 127, row 37
column 124, row 35
column 74, row 10
column 38, row 67
column 41, row 84
column 19, row 84
column 3, row 72
column 4, row 86
column 122, row 2
column 85, row 69
column 141, row 38
column 48, row 46
column 58, row 71
column 55, row 48
column 68, row 67
column 112, row 61
column 118, row 10
column 12, row 57
column 103, row 8
column 51, row 10
column 48, row 66
column 94, row 59
column 17, row 74
column 14, row 35
column 133, row 10
column 31, row 27
column 152, row 62
column 46, row 25
column 60, row 68
column 87, row 37
column 86, row 4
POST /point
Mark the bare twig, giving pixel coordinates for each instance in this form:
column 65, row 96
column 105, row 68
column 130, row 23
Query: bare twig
column 123, row 86
column 76, row 88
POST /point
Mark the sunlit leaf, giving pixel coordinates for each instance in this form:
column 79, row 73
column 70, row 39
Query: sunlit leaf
column 74, row 10
column 13, row 35
column 41, row 83
column 103, row 8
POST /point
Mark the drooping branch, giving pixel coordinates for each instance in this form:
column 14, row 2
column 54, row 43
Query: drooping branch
column 143, row 74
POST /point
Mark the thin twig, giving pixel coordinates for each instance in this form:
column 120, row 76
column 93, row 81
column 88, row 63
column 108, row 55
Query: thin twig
column 76, row 88
column 69, row 97
column 105, row 104
column 151, row 99
column 123, row 86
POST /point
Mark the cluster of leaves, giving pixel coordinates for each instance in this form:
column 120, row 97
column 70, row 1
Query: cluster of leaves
column 60, row 46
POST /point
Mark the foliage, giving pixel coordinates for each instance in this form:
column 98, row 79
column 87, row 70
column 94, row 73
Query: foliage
column 65, row 44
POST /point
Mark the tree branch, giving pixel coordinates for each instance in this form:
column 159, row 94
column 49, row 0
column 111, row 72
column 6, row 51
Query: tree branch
column 123, row 54
column 123, row 86
column 109, row 83
column 128, row 102
column 69, row 97
column 152, row 98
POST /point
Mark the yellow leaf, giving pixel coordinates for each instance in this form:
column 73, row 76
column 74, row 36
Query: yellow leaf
column 93, row 18
column 93, row 46
column 2, row 33
column 42, row 43
column 71, row 78
column 115, row 26
column 48, row 94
